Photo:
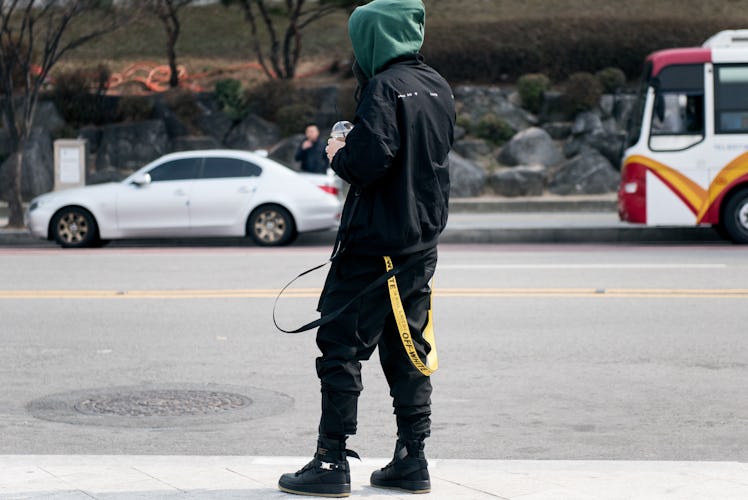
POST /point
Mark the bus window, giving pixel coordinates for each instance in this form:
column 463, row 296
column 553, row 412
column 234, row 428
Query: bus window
column 678, row 114
column 731, row 99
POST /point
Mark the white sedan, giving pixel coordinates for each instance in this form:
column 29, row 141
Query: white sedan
column 191, row 194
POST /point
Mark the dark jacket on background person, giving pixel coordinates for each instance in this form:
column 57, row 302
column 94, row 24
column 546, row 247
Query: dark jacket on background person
column 396, row 158
column 313, row 159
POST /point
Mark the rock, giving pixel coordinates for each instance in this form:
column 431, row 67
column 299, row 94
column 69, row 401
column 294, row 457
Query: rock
column 215, row 124
column 109, row 174
column 285, row 150
column 533, row 146
column 555, row 108
column 466, row 178
column 92, row 135
column 253, row 133
column 607, row 104
column 558, row 130
column 608, row 144
column 518, row 181
column 193, row 143
column 48, row 117
column 515, row 98
column 325, row 101
column 476, row 102
column 472, row 149
column 174, row 126
column 37, row 174
column 459, row 133
column 587, row 122
column 132, row 145
column 588, row 173
column 592, row 133
column 4, row 144
column 623, row 108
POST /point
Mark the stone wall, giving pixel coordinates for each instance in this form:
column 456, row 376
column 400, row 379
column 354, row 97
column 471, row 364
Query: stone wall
column 552, row 151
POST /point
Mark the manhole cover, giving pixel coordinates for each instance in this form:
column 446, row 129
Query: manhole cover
column 162, row 403
column 160, row 406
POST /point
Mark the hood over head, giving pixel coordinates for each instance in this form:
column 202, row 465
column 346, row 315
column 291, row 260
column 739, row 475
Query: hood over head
column 385, row 29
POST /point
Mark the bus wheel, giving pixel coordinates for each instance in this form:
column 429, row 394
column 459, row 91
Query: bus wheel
column 735, row 217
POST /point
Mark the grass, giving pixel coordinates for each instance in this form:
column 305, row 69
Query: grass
column 215, row 37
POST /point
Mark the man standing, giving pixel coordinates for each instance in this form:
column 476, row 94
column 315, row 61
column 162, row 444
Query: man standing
column 395, row 159
column 311, row 152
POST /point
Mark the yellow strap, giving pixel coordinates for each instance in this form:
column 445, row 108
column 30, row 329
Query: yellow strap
column 432, row 360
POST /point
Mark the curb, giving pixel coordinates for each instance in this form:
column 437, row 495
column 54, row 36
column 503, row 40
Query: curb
column 603, row 203
column 583, row 235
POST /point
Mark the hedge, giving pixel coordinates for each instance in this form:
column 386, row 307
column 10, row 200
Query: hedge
column 502, row 51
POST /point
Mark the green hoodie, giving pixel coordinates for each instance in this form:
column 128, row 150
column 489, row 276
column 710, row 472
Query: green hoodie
column 385, row 29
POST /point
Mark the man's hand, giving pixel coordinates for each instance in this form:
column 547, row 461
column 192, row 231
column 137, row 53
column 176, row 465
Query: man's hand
column 333, row 146
column 306, row 144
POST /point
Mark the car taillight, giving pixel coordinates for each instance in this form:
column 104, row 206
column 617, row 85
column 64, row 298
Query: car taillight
column 330, row 189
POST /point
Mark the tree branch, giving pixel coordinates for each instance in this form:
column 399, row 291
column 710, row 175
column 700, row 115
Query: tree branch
column 274, row 43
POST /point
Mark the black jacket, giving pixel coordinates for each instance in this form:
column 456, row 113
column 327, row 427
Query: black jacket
column 312, row 159
column 395, row 159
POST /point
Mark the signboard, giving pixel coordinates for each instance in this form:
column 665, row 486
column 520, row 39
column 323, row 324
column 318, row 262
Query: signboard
column 70, row 163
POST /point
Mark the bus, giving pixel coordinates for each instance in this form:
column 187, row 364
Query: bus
column 685, row 161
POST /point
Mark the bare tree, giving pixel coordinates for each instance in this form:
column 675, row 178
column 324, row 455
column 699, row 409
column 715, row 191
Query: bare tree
column 34, row 35
column 281, row 56
column 168, row 13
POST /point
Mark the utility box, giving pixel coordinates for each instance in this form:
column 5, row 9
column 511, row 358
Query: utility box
column 70, row 163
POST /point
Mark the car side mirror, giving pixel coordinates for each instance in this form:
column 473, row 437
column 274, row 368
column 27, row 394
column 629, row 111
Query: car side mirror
column 142, row 180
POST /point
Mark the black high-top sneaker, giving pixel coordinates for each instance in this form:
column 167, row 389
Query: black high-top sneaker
column 408, row 470
column 327, row 475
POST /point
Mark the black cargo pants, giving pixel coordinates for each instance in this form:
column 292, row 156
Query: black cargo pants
column 367, row 324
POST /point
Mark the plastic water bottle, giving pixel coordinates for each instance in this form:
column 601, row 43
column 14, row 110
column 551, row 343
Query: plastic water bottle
column 340, row 130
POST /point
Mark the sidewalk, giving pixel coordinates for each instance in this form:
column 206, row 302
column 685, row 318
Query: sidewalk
column 201, row 477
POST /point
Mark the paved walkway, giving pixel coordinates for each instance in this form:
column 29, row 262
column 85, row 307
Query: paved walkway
column 200, row 477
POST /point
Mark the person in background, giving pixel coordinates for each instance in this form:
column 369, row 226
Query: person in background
column 311, row 152
column 396, row 160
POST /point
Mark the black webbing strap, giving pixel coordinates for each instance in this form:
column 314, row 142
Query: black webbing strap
column 333, row 315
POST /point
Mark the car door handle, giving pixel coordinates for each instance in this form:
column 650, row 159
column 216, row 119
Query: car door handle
column 245, row 190
column 179, row 192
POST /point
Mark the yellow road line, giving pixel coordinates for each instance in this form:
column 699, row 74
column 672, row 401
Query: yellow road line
column 314, row 292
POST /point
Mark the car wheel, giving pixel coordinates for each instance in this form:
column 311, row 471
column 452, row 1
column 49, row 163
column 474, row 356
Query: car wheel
column 735, row 217
column 271, row 225
column 74, row 227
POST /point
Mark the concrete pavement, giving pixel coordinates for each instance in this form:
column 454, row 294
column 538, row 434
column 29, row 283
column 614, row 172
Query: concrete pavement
column 125, row 477
column 546, row 219
column 115, row 477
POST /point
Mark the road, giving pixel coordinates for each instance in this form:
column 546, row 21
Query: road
column 546, row 352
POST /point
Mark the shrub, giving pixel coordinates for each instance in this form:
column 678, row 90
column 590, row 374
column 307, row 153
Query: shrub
column 294, row 117
column 611, row 79
column 493, row 129
column 490, row 52
column 67, row 131
column 268, row 97
column 135, row 108
column 583, row 91
column 464, row 121
column 79, row 95
column 184, row 104
column 531, row 88
column 231, row 99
